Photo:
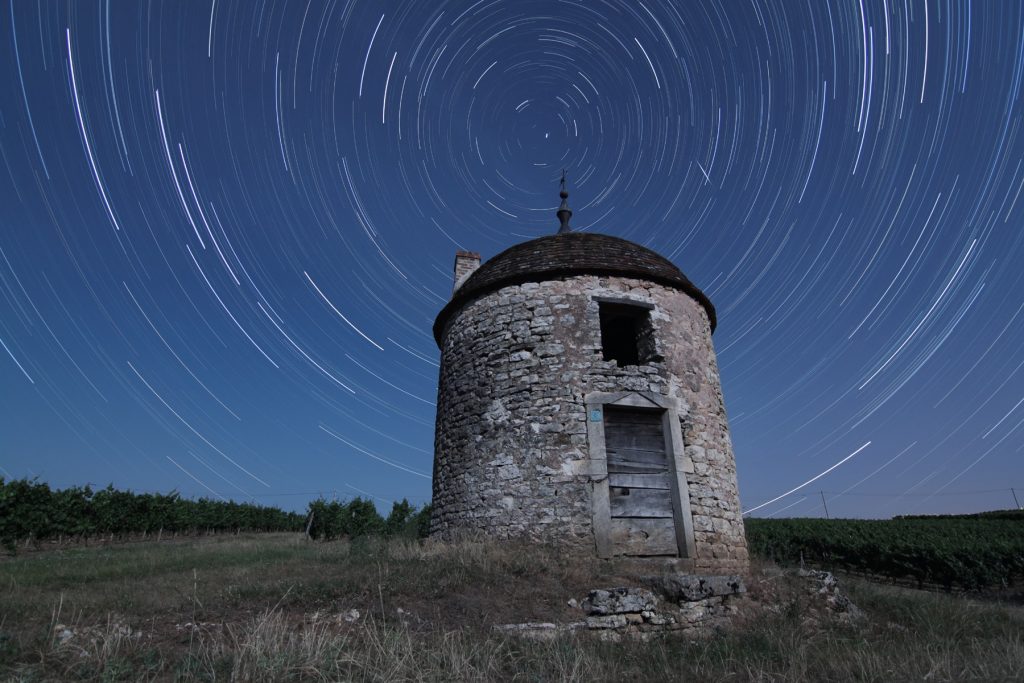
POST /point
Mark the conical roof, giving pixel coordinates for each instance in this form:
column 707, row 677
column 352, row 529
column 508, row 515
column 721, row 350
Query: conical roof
column 567, row 254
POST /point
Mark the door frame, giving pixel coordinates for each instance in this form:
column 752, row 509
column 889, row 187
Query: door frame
column 679, row 464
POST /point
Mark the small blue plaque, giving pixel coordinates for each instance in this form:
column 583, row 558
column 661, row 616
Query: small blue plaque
column 595, row 415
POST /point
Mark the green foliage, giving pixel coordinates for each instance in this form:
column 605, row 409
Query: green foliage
column 358, row 517
column 397, row 521
column 990, row 514
column 422, row 521
column 969, row 552
column 29, row 509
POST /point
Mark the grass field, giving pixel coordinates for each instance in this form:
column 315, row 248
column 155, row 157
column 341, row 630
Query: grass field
column 278, row 607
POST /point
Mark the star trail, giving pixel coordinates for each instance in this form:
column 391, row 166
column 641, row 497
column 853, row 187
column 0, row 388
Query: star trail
column 228, row 226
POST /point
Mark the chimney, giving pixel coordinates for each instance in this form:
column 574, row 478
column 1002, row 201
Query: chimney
column 465, row 263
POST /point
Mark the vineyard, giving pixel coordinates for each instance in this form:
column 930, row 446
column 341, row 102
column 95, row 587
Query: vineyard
column 968, row 552
column 32, row 510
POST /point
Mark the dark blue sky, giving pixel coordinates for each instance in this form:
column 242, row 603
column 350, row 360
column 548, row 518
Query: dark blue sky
column 227, row 227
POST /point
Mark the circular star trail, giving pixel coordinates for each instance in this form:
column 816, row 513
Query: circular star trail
column 228, row 226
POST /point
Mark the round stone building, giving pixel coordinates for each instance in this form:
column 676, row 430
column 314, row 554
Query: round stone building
column 579, row 403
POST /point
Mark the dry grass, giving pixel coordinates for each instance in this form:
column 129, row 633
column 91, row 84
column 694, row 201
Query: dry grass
column 278, row 608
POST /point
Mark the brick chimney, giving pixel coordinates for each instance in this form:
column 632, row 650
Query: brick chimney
column 465, row 263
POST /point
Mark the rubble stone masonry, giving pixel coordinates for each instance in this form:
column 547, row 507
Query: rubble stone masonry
column 511, row 451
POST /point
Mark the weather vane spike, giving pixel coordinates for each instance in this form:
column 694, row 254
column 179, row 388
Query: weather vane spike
column 564, row 213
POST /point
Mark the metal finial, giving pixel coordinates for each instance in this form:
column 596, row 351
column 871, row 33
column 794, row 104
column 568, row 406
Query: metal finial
column 564, row 213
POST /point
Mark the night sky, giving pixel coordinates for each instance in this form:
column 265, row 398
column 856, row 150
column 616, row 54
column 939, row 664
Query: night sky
column 227, row 227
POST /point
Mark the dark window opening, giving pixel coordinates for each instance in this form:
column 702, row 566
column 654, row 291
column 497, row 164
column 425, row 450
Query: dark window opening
column 627, row 336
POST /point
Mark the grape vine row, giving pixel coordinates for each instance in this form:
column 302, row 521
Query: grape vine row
column 966, row 552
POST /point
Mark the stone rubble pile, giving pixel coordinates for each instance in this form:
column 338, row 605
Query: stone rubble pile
column 824, row 586
column 684, row 605
column 89, row 638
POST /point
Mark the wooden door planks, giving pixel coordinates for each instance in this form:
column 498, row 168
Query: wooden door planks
column 640, row 481
column 627, row 502
column 644, row 536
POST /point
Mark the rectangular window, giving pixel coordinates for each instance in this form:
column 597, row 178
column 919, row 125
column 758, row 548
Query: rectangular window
column 627, row 336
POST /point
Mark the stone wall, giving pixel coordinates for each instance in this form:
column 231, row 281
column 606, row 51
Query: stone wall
column 465, row 263
column 511, row 452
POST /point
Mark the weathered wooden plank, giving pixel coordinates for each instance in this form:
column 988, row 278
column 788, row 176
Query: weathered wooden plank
column 633, row 416
column 640, row 481
column 636, row 467
column 623, row 430
column 643, row 429
column 632, row 467
column 637, row 419
column 638, row 454
column 634, row 435
column 629, row 461
column 616, row 440
column 629, row 502
column 643, row 537
column 642, row 451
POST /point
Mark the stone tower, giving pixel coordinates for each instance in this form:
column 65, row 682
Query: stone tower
column 579, row 403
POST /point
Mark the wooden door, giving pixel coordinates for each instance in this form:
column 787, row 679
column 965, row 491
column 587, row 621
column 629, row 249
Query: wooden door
column 639, row 483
